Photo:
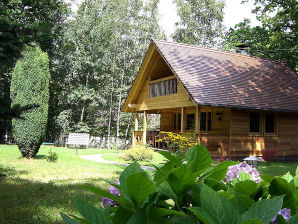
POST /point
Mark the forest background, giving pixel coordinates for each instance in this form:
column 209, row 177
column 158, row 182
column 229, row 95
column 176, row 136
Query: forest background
column 95, row 53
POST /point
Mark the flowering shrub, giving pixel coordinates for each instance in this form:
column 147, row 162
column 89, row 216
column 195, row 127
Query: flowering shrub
column 236, row 170
column 269, row 154
column 139, row 153
column 191, row 190
column 177, row 142
column 285, row 213
column 113, row 190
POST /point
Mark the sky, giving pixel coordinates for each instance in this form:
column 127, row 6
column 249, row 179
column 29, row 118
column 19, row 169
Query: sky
column 234, row 12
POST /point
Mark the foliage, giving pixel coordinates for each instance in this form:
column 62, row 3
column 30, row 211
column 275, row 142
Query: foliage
column 139, row 153
column 177, row 143
column 30, row 86
column 52, row 157
column 269, row 154
column 200, row 22
column 276, row 38
column 190, row 192
column 21, row 23
column 99, row 54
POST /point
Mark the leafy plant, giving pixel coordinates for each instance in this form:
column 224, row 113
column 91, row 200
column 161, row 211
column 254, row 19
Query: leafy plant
column 139, row 153
column 52, row 157
column 190, row 190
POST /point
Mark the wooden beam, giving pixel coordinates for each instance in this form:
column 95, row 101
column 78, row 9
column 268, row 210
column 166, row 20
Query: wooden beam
column 136, row 121
column 197, row 124
column 145, row 128
column 162, row 79
column 182, row 119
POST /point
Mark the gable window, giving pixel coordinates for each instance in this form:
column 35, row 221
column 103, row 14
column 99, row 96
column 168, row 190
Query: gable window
column 269, row 123
column 190, row 122
column 205, row 121
column 163, row 88
column 254, row 122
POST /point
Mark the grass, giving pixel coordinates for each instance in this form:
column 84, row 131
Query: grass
column 35, row 191
column 277, row 168
column 157, row 159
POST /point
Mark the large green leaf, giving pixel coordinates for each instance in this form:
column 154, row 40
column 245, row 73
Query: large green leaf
column 280, row 186
column 252, row 222
column 162, row 173
column 181, row 179
column 216, row 208
column 101, row 192
column 170, row 157
column 243, row 176
column 242, row 202
column 247, row 187
column 199, row 159
column 156, row 212
column 132, row 169
column 294, row 219
column 264, row 210
column 140, row 217
column 166, row 190
column 91, row 214
column 122, row 215
column 180, row 220
column 139, row 187
column 219, row 172
column 67, row 219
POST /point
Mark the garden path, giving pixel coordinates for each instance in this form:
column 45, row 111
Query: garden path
column 98, row 158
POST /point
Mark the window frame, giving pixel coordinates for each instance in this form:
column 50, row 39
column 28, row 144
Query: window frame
column 262, row 131
column 259, row 133
column 207, row 111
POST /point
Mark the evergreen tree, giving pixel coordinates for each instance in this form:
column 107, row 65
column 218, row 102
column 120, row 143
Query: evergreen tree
column 30, row 86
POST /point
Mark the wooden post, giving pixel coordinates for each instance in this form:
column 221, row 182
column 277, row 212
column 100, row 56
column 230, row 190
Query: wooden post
column 136, row 128
column 197, row 124
column 145, row 128
column 182, row 119
column 136, row 121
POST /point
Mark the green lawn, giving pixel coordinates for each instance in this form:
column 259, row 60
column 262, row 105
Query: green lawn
column 35, row 191
column 277, row 168
column 157, row 159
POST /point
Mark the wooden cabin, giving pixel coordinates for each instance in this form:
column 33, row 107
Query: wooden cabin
column 237, row 105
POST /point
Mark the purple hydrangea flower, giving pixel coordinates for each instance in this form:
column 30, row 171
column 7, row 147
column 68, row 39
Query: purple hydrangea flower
column 113, row 190
column 286, row 214
column 233, row 172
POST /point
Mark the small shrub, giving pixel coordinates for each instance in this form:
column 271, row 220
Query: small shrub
column 139, row 153
column 52, row 157
column 269, row 154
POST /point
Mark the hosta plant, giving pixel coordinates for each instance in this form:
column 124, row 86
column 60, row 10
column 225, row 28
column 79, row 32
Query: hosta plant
column 190, row 190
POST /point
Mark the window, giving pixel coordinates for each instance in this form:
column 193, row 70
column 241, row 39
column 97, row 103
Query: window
column 190, row 122
column 205, row 121
column 269, row 123
column 163, row 88
column 254, row 122
column 177, row 121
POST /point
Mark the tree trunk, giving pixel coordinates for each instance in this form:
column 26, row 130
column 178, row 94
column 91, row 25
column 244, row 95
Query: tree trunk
column 110, row 112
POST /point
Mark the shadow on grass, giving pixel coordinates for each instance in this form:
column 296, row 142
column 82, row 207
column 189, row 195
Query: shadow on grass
column 24, row 201
column 8, row 172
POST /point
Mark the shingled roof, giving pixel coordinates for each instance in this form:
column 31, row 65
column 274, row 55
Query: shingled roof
column 218, row 78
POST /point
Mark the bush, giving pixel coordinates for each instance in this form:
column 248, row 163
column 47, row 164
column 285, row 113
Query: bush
column 192, row 191
column 30, row 89
column 52, row 157
column 269, row 154
column 139, row 153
